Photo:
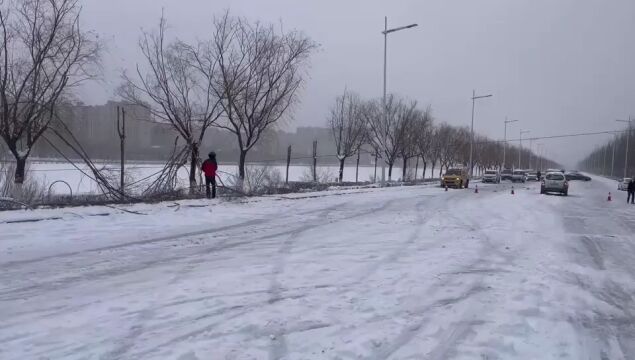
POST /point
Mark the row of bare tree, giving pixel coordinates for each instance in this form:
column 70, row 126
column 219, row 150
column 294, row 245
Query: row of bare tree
column 400, row 130
column 244, row 78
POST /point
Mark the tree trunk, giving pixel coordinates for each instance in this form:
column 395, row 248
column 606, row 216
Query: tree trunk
column 342, row 169
column 417, row 169
column 434, row 164
column 390, row 171
column 405, row 168
column 425, row 167
column 241, row 165
column 193, row 168
column 20, row 169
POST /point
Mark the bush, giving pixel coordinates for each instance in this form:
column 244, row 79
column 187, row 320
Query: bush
column 323, row 175
column 29, row 192
column 258, row 180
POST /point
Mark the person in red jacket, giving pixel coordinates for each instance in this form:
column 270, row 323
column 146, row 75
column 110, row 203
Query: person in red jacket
column 209, row 169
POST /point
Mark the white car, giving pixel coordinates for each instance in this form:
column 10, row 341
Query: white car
column 492, row 176
column 623, row 185
column 532, row 176
column 555, row 182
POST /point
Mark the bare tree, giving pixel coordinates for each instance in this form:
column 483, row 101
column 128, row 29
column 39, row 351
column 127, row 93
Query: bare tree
column 348, row 127
column 44, row 54
column 416, row 137
column 260, row 70
column 424, row 132
column 176, row 89
column 388, row 130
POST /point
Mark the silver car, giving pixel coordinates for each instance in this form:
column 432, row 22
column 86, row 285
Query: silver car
column 555, row 182
column 519, row 176
column 623, row 185
column 492, row 176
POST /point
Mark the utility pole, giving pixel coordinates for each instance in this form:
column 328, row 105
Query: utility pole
column 315, row 143
column 613, row 159
column 520, row 151
column 121, row 130
column 385, row 110
column 530, row 151
column 505, row 140
column 628, row 135
column 474, row 98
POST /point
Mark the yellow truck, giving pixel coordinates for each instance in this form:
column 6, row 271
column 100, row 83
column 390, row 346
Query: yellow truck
column 456, row 178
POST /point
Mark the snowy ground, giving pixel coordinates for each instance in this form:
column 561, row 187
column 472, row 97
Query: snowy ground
column 50, row 173
column 399, row 273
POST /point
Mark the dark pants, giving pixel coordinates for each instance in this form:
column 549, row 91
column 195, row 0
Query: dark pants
column 210, row 180
column 631, row 197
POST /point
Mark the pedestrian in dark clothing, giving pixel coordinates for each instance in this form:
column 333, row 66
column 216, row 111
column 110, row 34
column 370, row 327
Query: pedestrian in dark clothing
column 631, row 192
column 209, row 169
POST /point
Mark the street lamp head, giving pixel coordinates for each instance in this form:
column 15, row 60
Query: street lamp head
column 399, row 28
column 482, row 96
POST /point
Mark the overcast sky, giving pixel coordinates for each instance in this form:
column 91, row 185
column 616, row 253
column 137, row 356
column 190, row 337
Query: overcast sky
column 558, row 66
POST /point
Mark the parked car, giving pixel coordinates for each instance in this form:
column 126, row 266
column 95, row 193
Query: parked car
column 555, row 170
column 576, row 176
column 555, row 182
column 492, row 176
column 506, row 174
column 456, row 177
column 623, row 185
column 519, row 176
column 532, row 176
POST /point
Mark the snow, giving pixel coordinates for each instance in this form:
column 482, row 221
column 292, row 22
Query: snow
column 375, row 273
column 49, row 173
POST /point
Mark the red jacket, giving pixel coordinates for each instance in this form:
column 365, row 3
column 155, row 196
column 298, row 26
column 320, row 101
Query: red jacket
column 209, row 168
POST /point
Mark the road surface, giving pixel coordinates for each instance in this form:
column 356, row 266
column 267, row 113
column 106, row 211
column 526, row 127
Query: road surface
column 397, row 273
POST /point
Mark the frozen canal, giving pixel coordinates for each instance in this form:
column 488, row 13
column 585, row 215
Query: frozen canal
column 401, row 273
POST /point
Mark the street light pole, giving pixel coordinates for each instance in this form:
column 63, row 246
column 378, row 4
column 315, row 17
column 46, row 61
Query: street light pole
column 474, row 98
column 520, row 151
column 385, row 33
column 613, row 159
column 628, row 135
column 505, row 140
column 530, row 149
column 539, row 161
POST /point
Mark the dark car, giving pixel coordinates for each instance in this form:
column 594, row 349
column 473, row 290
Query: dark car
column 506, row 174
column 577, row 176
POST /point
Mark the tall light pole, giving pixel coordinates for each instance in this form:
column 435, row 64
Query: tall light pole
column 530, row 151
column 385, row 33
column 520, row 151
column 539, row 162
column 474, row 98
column 613, row 159
column 505, row 139
column 628, row 135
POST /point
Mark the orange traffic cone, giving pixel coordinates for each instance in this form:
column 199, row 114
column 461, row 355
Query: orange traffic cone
column 513, row 190
column 609, row 198
column 476, row 189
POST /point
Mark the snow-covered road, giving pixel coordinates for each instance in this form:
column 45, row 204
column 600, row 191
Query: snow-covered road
column 397, row 273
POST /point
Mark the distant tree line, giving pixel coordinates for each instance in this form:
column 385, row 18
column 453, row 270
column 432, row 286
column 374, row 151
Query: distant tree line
column 401, row 132
column 243, row 78
column 610, row 158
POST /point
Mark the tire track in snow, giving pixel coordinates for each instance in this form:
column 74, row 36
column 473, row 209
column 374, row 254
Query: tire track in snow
column 135, row 265
column 278, row 348
column 450, row 337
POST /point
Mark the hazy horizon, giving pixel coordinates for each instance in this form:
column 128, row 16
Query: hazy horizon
column 558, row 67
